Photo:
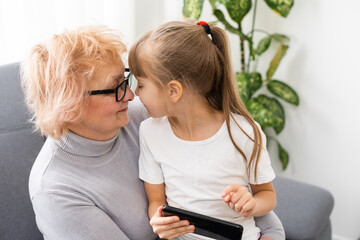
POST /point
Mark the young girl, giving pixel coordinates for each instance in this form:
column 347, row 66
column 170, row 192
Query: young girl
column 201, row 149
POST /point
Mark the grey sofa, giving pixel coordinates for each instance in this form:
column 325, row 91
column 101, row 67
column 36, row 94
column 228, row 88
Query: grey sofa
column 303, row 209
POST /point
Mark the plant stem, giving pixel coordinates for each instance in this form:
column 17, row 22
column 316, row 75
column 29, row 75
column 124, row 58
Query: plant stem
column 242, row 50
column 252, row 32
column 259, row 30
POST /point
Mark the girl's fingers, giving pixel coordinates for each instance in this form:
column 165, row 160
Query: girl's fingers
column 230, row 188
column 231, row 205
column 245, row 214
column 239, row 199
column 249, row 205
column 227, row 198
column 233, row 191
column 159, row 212
column 171, row 226
column 235, row 197
column 157, row 219
column 163, row 220
column 242, row 201
column 180, row 231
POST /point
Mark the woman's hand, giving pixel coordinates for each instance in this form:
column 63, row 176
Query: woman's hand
column 169, row 227
column 239, row 199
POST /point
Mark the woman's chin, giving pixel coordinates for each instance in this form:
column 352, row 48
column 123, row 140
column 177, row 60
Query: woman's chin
column 122, row 119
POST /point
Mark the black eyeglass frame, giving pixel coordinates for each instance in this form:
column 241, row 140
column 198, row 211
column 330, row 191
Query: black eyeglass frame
column 115, row 90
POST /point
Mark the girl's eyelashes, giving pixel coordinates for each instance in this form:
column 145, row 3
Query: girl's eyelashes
column 139, row 85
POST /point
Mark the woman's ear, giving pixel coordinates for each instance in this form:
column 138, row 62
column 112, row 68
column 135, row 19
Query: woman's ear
column 175, row 90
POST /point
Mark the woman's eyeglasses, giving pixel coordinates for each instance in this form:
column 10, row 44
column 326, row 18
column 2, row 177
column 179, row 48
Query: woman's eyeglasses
column 119, row 90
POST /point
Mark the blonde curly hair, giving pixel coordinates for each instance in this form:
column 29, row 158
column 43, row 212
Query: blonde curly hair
column 55, row 76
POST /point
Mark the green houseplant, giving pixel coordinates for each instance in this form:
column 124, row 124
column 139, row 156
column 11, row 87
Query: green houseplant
column 266, row 109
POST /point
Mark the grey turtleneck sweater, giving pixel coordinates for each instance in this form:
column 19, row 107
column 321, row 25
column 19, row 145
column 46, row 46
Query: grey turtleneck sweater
column 89, row 190
column 85, row 189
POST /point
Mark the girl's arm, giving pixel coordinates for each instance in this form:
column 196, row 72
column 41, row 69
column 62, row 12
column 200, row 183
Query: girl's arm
column 165, row 227
column 262, row 201
column 265, row 198
column 156, row 196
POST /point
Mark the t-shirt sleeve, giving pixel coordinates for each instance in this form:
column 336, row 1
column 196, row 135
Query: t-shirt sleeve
column 64, row 215
column 265, row 172
column 149, row 169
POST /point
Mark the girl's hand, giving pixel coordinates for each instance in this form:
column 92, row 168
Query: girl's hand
column 239, row 199
column 169, row 227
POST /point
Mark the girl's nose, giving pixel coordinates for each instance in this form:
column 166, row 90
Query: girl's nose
column 136, row 91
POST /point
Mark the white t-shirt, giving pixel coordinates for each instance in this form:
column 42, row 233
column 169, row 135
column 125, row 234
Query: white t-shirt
column 196, row 172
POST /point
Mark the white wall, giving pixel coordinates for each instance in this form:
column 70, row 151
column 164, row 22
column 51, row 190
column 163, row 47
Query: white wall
column 24, row 23
column 322, row 134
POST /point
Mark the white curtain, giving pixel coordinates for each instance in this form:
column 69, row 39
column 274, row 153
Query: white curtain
column 23, row 23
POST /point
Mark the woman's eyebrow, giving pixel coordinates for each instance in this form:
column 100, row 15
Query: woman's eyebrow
column 116, row 77
column 114, row 80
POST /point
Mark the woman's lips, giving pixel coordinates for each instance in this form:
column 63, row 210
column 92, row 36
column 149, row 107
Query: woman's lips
column 124, row 110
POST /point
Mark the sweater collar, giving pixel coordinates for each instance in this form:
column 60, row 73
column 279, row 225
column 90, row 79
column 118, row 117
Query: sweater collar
column 77, row 145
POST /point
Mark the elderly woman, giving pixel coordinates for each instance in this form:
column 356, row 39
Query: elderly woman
column 84, row 183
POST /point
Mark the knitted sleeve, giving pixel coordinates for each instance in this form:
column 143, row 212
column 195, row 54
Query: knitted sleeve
column 65, row 215
column 271, row 226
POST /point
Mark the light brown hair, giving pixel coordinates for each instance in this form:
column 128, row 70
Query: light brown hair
column 56, row 74
column 181, row 50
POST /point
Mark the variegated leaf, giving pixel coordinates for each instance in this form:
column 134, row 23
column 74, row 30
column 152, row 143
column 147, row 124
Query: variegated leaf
column 248, row 84
column 276, row 60
column 274, row 106
column 280, row 37
column 283, row 91
column 284, row 156
column 281, row 7
column 192, row 9
column 237, row 9
column 262, row 115
column 263, row 45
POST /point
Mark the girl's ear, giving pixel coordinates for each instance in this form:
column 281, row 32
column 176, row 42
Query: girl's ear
column 175, row 90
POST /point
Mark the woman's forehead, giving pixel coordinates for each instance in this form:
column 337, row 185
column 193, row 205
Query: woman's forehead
column 114, row 72
column 106, row 75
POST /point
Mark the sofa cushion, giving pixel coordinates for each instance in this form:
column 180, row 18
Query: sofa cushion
column 19, row 146
column 303, row 209
column 12, row 108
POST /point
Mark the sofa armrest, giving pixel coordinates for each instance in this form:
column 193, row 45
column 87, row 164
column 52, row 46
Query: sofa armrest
column 303, row 209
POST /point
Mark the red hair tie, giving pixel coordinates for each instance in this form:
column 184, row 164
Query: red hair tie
column 205, row 26
column 202, row 23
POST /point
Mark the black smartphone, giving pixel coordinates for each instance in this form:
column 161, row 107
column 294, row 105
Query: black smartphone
column 205, row 225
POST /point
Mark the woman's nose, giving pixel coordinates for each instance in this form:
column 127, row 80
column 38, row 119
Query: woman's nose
column 129, row 95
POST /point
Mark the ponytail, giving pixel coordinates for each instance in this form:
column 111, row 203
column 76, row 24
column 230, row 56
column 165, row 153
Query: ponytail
column 231, row 101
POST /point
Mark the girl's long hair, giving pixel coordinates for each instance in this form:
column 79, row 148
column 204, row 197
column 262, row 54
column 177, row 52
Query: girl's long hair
column 183, row 51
